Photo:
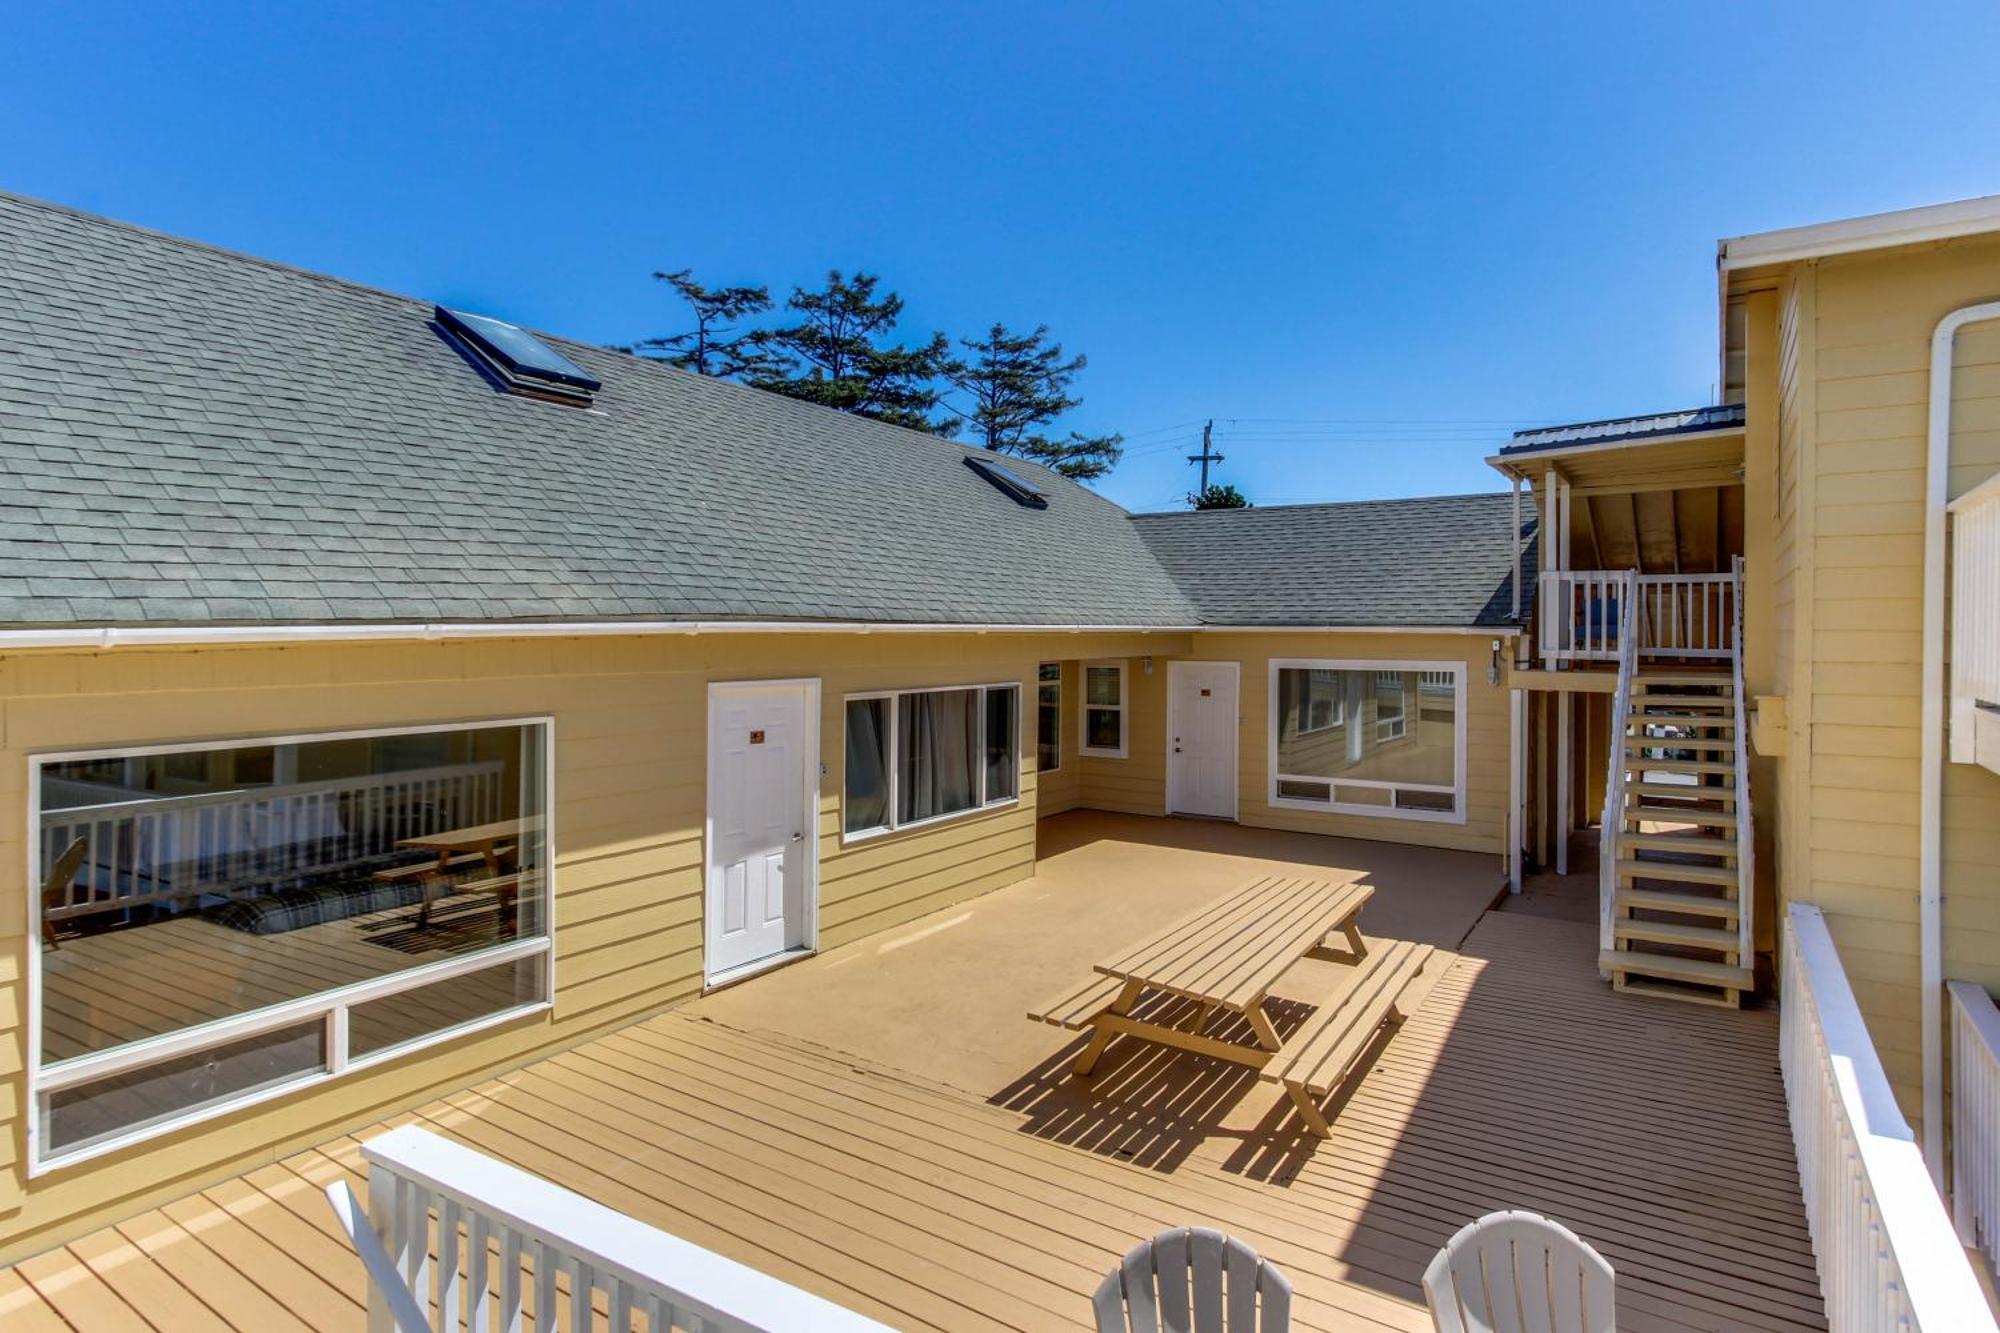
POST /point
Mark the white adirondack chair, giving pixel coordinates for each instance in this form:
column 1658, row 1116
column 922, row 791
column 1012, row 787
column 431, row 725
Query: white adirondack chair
column 404, row 1307
column 1516, row 1272
column 1182, row 1280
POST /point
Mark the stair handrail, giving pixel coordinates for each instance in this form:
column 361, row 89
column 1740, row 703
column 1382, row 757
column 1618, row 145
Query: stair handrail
column 1746, row 831
column 1612, row 824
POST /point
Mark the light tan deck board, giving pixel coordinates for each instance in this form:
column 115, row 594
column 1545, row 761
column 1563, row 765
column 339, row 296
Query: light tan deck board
column 961, row 1194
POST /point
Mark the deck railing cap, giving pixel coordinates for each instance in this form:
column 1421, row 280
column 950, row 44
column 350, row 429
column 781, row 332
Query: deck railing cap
column 703, row 1282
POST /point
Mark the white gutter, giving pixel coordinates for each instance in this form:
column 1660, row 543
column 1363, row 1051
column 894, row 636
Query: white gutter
column 1930, row 864
column 160, row 636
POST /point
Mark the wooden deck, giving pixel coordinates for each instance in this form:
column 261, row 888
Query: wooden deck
column 1656, row 1131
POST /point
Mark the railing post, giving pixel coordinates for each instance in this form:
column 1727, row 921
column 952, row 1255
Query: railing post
column 385, row 1217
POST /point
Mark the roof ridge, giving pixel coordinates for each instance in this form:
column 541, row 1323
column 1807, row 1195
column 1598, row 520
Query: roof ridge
column 1376, row 501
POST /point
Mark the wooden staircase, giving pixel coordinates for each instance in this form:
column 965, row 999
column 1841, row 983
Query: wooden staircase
column 1677, row 885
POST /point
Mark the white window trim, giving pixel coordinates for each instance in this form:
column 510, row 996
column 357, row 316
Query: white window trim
column 330, row 1006
column 1457, row 788
column 979, row 767
column 1085, row 708
column 1041, row 685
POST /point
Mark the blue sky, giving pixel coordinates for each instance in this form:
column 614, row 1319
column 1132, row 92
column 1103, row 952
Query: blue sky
column 1367, row 242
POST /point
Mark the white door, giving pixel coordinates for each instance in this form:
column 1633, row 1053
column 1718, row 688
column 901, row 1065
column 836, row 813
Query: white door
column 763, row 790
column 1201, row 739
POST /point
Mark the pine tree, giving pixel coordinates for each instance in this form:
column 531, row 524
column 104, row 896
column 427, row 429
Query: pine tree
column 1015, row 383
column 713, row 346
column 832, row 356
column 1217, row 496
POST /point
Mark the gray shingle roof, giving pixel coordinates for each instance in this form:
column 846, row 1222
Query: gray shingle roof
column 193, row 436
column 1441, row 561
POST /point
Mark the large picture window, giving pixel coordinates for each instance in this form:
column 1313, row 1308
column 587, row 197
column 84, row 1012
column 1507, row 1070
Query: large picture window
column 1370, row 738
column 914, row 756
column 221, row 923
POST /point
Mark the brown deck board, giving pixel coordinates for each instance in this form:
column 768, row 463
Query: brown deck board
column 1519, row 1080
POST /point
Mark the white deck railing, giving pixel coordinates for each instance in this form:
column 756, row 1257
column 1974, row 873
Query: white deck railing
column 432, row 1201
column 1746, row 824
column 163, row 848
column 1975, row 1119
column 1888, row 1257
column 1611, row 827
column 1975, row 614
column 1680, row 615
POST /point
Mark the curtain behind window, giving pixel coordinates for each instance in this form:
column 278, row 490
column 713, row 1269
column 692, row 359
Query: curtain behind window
column 939, row 740
column 867, row 764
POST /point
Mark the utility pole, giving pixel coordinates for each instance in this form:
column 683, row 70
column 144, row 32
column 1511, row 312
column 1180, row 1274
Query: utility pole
column 1207, row 454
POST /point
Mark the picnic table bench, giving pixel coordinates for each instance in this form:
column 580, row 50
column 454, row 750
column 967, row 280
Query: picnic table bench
column 1224, row 958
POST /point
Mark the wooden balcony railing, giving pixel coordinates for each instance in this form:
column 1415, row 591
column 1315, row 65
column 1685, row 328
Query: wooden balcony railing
column 524, row 1240
column 1679, row 615
column 1888, row 1256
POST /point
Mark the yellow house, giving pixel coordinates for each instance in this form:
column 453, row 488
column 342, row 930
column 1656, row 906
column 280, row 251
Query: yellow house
column 391, row 697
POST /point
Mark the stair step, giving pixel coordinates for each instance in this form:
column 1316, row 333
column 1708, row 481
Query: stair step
column 1671, row 814
column 1679, row 743
column 1645, row 765
column 1706, row 720
column 1719, row 938
column 1703, row 844
column 1724, row 875
column 1675, row 699
column 1673, row 990
column 1695, row 970
column 1685, row 791
column 1718, row 678
column 1690, row 904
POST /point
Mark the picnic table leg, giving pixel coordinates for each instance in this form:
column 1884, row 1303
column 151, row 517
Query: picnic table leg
column 1099, row 1036
column 444, row 865
column 1353, row 932
column 1260, row 1023
column 1309, row 1112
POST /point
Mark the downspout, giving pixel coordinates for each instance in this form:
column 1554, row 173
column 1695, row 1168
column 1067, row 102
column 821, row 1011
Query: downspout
column 1930, row 865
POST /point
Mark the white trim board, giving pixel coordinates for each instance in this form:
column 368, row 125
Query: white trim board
column 104, row 638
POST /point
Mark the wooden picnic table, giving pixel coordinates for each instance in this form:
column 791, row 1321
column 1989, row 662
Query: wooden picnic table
column 1225, row 957
column 493, row 843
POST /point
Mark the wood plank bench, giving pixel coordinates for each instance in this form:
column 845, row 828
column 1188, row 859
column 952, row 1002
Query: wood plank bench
column 1079, row 1006
column 423, row 869
column 1318, row 1057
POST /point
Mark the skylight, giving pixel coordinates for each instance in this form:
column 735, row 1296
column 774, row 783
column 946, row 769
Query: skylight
column 1009, row 483
column 518, row 359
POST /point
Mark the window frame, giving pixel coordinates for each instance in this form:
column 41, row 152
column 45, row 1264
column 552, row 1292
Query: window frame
column 1460, row 672
column 890, row 770
column 1123, row 708
column 1042, row 683
column 331, row 1006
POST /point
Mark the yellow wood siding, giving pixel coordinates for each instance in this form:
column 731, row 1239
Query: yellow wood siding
column 631, row 732
column 1852, row 470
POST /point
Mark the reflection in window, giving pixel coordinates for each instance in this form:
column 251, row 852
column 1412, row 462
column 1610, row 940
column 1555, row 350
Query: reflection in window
column 1369, row 741
column 198, row 886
